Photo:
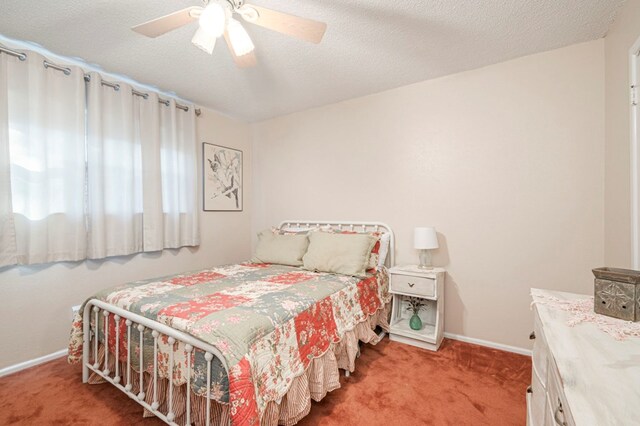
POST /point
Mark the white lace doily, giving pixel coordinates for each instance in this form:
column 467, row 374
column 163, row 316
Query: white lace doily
column 581, row 311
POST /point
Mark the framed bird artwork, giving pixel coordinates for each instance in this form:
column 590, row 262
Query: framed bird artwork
column 222, row 178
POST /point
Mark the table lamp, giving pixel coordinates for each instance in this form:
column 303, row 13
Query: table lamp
column 425, row 239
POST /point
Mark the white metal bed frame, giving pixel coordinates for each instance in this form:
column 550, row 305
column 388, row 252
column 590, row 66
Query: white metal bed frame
column 140, row 324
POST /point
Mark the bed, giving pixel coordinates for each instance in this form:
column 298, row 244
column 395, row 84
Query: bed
column 260, row 340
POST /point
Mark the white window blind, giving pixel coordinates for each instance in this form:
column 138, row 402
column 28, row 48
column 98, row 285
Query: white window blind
column 91, row 169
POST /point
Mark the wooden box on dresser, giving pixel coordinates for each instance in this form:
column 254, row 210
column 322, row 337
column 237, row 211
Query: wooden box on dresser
column 581, row 375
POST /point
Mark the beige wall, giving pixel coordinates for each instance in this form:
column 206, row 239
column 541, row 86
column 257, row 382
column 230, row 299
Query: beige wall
column 36, row 301
column 621, row 36
column 506, row 161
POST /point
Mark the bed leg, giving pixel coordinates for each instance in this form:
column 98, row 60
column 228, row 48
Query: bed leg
column 208, row 356
column 141, row 394
column 128, row 386
column 86, row 339
column 188, row 348
column 347, row 373
column 85, row 372
column 155, row 403
column 105, row 314
column 171, row 415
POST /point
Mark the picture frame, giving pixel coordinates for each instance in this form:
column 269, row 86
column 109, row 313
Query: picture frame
column 222, row 180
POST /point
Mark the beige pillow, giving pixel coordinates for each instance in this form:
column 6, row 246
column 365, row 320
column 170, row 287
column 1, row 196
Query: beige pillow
column 346, row 254
column 280, row 249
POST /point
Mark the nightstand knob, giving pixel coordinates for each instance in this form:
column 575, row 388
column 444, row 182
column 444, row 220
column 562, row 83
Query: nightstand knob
column 532, row 336
column 411, row 284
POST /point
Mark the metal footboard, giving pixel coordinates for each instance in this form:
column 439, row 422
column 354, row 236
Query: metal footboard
column 137, row 323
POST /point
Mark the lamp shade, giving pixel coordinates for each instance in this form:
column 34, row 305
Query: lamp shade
column 425, row 238
column 213, row 19
column 204, row 41
column 240, row 40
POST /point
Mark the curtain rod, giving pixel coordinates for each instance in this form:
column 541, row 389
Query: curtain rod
column 22, row 56
column 116, row 87
column 19, row 55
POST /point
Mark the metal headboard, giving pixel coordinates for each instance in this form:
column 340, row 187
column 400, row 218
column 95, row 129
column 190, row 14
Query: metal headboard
column 360, row 227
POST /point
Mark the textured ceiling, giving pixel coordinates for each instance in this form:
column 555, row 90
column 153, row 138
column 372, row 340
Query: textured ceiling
column 369, row 46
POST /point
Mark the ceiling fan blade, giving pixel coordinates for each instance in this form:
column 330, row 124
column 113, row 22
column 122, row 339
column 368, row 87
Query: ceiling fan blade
column 302, row 28
column 244, row 61
column 164, row 24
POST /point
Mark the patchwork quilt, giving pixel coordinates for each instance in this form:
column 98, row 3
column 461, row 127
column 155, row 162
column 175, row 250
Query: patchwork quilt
column 268, row 321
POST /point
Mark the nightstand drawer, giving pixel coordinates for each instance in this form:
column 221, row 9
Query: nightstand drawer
column 413, row 285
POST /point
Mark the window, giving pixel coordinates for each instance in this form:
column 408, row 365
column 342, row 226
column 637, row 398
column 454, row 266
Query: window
column 87, row 165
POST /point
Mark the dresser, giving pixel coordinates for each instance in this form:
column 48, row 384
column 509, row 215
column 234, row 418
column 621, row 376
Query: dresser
column 581, row 375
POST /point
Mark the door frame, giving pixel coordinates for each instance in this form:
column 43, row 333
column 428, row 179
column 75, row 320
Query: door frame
column 634, row 111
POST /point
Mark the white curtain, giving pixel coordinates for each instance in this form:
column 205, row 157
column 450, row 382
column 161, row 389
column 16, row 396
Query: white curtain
column 42, row 148
column 141, row 172
column 8, row 250
column 91, row 170
column 178, row 165
column 147, row 121
column 114, row 171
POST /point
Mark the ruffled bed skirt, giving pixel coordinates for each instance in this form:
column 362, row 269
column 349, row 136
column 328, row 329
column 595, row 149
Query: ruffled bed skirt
column 322, row 376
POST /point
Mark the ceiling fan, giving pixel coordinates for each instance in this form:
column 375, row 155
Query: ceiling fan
column 216, row 19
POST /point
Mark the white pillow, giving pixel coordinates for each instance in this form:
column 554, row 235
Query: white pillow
column 346, row 254
column 281, row 249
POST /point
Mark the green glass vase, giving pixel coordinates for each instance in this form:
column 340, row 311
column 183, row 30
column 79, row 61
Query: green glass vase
column 415, row 322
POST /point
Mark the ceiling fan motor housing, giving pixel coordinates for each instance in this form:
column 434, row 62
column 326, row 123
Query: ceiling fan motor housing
column 235, row 4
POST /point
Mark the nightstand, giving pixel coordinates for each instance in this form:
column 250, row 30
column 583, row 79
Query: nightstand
column 411, row 281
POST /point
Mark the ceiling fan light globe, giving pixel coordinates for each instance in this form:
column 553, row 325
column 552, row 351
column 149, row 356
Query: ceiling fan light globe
column 239, row 38
column 213, row 19
column 204, row 41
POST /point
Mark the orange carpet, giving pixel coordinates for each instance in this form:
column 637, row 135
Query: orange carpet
column 394, row 384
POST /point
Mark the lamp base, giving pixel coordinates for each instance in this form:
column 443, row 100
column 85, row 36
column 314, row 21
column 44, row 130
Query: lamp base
column 425, row 260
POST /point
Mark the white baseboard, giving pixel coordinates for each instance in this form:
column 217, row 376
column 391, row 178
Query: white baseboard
column 32, row 363
column 488, row 344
